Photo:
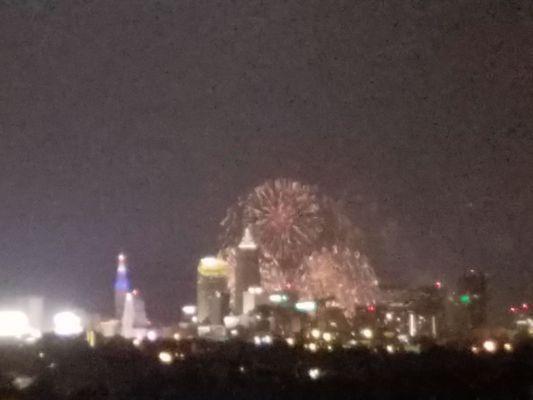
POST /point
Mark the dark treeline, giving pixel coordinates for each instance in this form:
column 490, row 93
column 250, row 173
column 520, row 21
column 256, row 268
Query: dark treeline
column 56, row 369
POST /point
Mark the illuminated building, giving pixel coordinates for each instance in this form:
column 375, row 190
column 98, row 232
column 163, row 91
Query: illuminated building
column 246, row 269
column 134, row 323
column 472, row 299
column 253, row 297
column 212, row 291
column 122, row 285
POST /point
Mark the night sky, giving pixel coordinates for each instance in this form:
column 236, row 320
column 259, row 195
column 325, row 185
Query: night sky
column 132, row 125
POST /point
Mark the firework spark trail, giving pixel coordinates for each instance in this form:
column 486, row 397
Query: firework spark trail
column 305, row 240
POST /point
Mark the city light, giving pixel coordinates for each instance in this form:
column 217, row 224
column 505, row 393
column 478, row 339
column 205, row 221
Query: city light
column 314, row 373
column 267, row 339
column 306, row 306
column 278, row 298
column 67, row 323
column 255, row 290
column 165, row 357
column 327, row 336
column 14, row 324
column 189, row 310
column 367, row 333
column 151, row 336
column 490, row 346
column 315, row 333
column 508, row 347
column 312, row 347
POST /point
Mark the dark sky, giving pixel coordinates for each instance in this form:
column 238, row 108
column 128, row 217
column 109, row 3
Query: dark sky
column 132, row 125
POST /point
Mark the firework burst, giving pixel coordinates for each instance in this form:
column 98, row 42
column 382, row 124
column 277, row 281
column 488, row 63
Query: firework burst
column 305, row 240
column 340, row 273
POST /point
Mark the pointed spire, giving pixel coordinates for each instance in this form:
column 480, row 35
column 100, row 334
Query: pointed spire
column 121, row 262
column 247, row 241
column 122, row 283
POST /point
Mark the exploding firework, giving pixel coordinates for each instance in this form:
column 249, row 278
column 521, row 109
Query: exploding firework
column 339, row 273
column 300, row 233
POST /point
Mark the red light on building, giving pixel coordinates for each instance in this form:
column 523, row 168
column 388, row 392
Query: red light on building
column 438, row 284
column 525, row 306
column 371, row 308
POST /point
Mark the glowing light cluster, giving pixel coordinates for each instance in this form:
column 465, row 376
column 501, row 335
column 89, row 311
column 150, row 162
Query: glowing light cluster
column 67, row 323
column 14, row 324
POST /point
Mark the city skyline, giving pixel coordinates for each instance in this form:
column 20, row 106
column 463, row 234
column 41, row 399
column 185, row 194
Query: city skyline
column 133, row 127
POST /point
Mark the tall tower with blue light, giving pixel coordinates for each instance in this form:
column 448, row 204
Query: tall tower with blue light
column 122, row 286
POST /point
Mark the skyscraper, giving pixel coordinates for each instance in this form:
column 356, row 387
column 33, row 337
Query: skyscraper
column 472, row 298
column 122, row 285
column 134, row 322
column 247, row 272
column 212, row 291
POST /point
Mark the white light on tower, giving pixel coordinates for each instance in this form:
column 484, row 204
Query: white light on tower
column 66, row 323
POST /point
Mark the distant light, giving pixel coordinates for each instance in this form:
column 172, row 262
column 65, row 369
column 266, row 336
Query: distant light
column 267, row 339
column 194, row 319
column 315, row 333
column 351, row 343
column 367, row 333
column 371, row 308
column 388, row 316
column 403, row 338
column 165, row 357
column 14, row 324
column 177, row 336
column 314, row 373
column 312, row 347
column 136, row 342
column 290, row 341
column 465, row 299
column 189, row 310
column 327, row 336
column 231, row 321
column 151, row 336
column 474, row 349
column 306, row 306
column 390, row 349
column 121, row 257
column 234, row 332
column 213, row 267
column 438, row 284
column 490, row 346
column 257, row 340
column 508, row 347
column 525, row 306
column 255, row 290
column 278, row 298
column 23, row 382
column 67, row 323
